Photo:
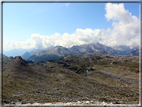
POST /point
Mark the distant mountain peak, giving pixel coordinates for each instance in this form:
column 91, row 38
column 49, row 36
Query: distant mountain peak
column 26, row 55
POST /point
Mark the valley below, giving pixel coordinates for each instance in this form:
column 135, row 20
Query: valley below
column 89, row 77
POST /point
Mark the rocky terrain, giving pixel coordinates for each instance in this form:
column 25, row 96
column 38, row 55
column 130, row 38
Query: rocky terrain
column 89, row 77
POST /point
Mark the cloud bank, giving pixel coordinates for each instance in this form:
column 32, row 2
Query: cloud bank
column 126, row 28
column 126, row 31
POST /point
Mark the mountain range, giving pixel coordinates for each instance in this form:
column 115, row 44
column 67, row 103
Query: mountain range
column 52, row 53
column 58, row 52
column 90, row 48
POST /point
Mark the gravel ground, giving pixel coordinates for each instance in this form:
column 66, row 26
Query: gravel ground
column 118, row 78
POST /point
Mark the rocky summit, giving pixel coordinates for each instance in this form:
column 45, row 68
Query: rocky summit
column 19, row 61
column 18, row 64
column 89, row 77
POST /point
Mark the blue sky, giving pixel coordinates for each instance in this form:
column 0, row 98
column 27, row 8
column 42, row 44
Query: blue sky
column 35, row 22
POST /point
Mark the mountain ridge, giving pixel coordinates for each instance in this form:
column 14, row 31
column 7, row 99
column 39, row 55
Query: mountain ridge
column 58, row 52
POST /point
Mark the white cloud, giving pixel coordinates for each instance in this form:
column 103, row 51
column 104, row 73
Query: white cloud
column 125, row 26
column 125, row 32
column 81, row 36
column 117, row 12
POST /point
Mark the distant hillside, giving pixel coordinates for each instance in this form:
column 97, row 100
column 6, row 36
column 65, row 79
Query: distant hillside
column 90, row 48
column 135, row 51
column 122, row 49
column 26, row 55
column 38, row 50
column 32, row 52
column 50, row 54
